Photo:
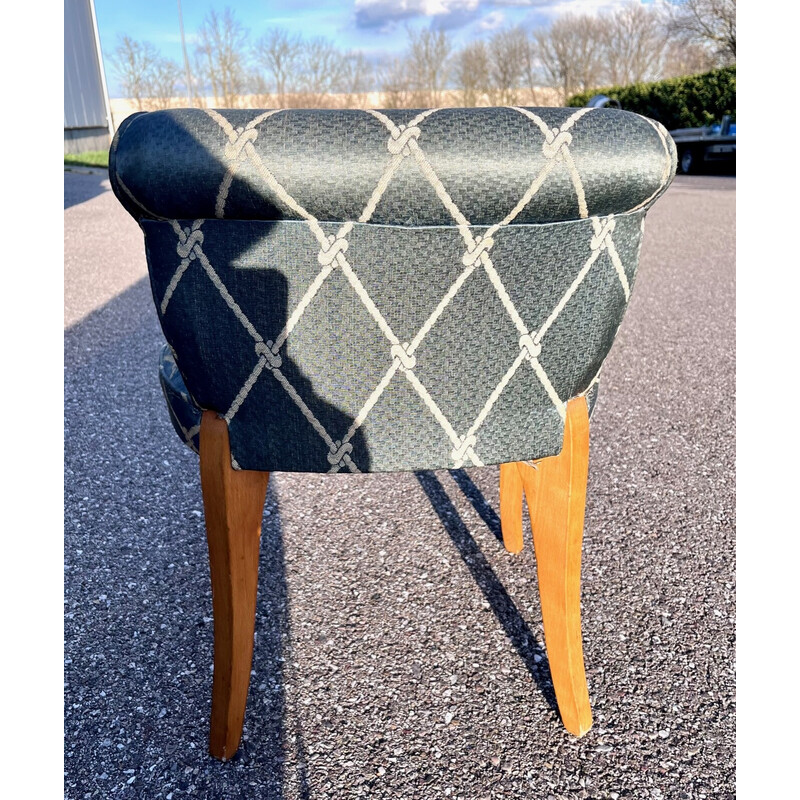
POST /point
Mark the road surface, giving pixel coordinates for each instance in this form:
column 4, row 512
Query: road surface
column 399, row 647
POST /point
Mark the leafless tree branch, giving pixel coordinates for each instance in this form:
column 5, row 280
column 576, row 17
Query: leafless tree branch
column 221, row 52
column 278, row 54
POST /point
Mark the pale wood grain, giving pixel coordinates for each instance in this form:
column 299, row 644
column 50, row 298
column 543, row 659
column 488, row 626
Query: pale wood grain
column 555, row 490
column 234, row 503
column 511, row 507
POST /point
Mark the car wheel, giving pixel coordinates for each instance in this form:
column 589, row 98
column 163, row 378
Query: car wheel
column 687, row 161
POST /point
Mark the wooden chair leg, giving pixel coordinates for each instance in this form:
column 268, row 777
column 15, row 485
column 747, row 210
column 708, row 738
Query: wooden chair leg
column 511, row 507
column 234, row 504
column 555, row 490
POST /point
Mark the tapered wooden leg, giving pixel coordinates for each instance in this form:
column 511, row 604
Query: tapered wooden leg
column 556, row 495
column 511, row 507
column 234, row 504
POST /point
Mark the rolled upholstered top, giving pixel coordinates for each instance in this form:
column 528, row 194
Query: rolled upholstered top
column 373, row 291
column 340, row 165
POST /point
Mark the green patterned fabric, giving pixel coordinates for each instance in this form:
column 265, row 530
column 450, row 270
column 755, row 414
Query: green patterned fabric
column 375, row 291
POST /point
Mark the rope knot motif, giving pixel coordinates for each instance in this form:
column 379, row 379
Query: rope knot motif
column 338, row 452
column 335, row 246
column 474, row 253
column 189, row 237
column 400, row 352
column 464, row 449
column 265, row 349
column 600, row 240
column 555, row 143
column 402, row 142
column 398, row 142
column 233, row 150
column 527, row 342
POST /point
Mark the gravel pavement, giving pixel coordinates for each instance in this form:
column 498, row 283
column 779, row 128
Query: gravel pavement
column 399, row 647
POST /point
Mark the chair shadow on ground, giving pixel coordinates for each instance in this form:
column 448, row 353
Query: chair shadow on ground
column 115, row 415
column 112, row 396
column 504, row 608
column 475, row 496
column 113, row 408
column 83, row 186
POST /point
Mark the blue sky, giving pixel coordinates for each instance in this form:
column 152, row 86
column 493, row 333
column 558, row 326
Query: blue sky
column 374, row 27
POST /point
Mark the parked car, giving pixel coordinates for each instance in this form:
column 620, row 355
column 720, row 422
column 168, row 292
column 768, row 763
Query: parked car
column 699, row 146
column 603, row 101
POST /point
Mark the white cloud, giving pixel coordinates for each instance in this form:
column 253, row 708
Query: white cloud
column 591, row 7
column 380, row 13
column 383, row 13
column 493, row 20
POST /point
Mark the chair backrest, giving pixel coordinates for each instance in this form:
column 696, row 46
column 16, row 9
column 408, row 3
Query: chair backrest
column 389, row 290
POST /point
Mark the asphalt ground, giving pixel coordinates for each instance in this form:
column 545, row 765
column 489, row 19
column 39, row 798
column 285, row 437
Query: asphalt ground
column 399, row 648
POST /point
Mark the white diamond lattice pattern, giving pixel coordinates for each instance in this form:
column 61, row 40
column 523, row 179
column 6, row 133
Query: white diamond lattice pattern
column 402, row 144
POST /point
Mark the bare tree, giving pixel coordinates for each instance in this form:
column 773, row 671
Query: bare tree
column 133, row 63
column 633, row 41
column 322, row 72
column 278, row 54
column 471, row 73
column 146, row 76
column 709, row 22
column 162, row 84
column 507, row 54
column 354, row 79
column 570, row 53
column 531, row 70
column 221, row 49
column 395, row 83
column 686, row 58
column 427, row 57
column 259, row 91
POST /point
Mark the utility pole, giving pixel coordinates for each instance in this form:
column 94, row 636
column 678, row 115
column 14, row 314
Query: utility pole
column 186, row 58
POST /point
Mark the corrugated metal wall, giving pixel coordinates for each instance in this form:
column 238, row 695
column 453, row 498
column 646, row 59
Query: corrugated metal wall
column 84, row 101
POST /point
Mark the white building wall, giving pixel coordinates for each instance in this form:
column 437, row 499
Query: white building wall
column 86, row 115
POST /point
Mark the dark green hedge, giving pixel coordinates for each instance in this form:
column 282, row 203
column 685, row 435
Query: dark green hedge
column 687, row 102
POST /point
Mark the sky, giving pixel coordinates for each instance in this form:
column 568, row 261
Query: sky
column 374, row 27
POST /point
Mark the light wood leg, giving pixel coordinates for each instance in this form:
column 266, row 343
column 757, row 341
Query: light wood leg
column 556, row 494
column 234, row 504
column 511, row 507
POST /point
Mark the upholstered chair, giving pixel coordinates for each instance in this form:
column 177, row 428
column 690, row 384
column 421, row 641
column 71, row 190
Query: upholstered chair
column 368, row 291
